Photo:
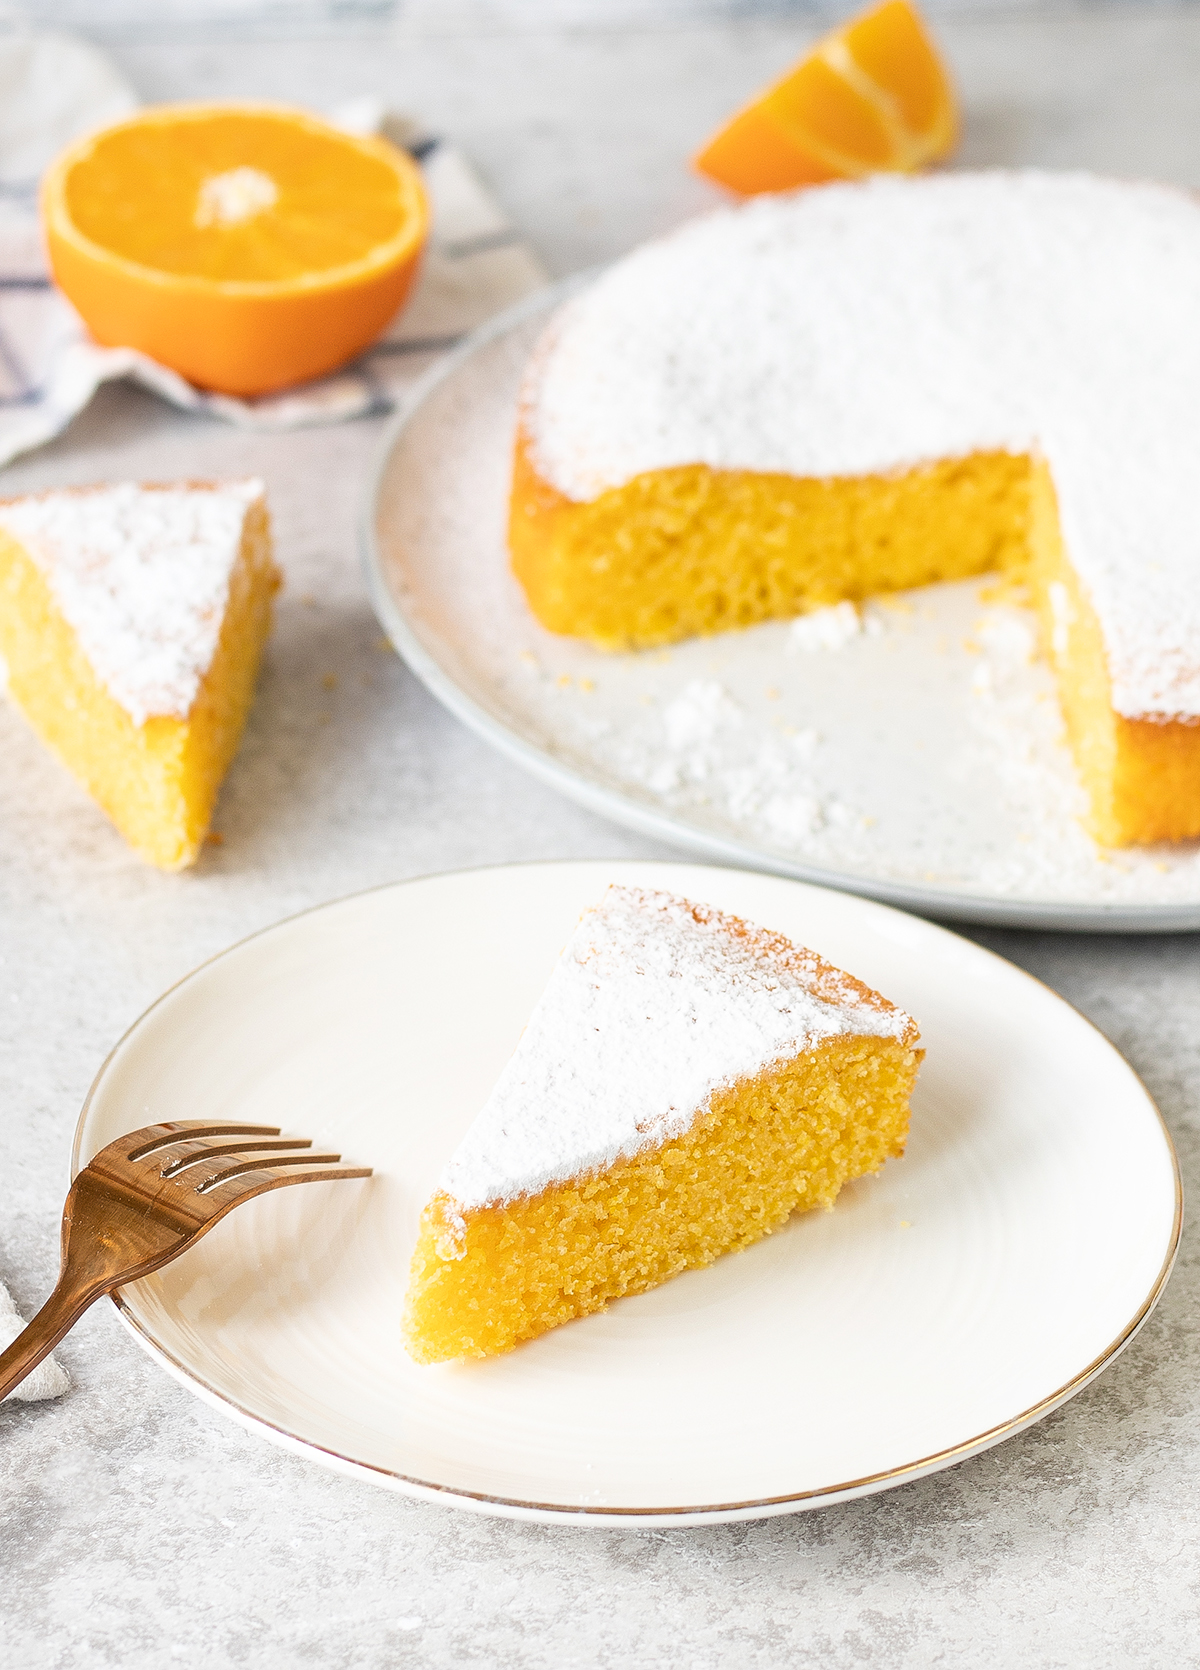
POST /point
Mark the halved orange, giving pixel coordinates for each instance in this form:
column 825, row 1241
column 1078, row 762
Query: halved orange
column 247, row 247
column 874, row 95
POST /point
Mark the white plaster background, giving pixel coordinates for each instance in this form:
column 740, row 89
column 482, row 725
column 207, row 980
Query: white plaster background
column 136, row 1527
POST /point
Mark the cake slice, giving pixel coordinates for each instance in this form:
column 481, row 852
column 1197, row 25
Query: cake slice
column 132, row 620
column 686, row 1082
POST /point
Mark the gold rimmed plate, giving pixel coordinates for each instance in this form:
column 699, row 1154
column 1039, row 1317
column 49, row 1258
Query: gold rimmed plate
column 972, row 1287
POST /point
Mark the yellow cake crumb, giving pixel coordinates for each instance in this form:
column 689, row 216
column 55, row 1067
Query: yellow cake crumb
column 686, row 551
column 783, row 1142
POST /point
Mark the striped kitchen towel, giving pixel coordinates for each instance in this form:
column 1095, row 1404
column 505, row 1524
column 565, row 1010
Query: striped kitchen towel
column 477, row 263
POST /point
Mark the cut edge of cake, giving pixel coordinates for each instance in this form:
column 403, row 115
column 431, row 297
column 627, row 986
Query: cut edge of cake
column 581, row 566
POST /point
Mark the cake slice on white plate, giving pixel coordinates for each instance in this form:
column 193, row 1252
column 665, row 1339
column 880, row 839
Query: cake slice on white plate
column 686, row 1082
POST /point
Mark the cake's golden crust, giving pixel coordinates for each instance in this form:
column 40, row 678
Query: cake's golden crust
column 158, row 782
column 686, row 551
column 781, row 1142
column 828, row 983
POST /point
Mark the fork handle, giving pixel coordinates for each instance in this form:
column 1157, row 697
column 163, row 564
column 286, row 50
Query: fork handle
column 57, row 1316
column 108, row 1239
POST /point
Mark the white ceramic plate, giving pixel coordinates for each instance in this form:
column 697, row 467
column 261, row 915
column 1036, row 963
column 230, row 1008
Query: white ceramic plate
column 965, row 1292
column 921, row 762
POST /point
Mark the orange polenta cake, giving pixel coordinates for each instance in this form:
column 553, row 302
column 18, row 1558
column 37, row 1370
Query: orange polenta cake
column 686, row 1082
column 132, row 620
column 873, row 386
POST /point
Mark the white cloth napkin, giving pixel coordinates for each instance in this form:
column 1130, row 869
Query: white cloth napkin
column 48, row 1379
column 54, row 88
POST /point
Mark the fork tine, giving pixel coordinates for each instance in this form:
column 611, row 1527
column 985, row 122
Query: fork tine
column 218, row 1150
column 167, row 1135
column 244, row 1167
column 121, row 1221
column 228, row 1191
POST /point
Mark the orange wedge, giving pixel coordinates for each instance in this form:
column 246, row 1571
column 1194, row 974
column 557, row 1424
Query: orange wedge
column 874, row 95
column 247, row 247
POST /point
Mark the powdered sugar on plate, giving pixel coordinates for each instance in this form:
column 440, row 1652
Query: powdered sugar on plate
column 831, row 628
column 655, row 1003
column 142, row 575
column 706, row 749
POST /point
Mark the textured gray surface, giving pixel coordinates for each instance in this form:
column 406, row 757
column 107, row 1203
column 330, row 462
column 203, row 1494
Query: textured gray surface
column 139, row 1528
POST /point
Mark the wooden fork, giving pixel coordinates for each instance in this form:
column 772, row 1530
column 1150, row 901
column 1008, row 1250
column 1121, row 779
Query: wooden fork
column 145, row 1199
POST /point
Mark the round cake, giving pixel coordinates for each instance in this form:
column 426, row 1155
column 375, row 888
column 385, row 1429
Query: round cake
column 879, row 385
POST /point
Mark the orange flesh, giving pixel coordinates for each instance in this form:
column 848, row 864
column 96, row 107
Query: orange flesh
column 335, row 205
column 892, row 48
column 817, row 106
column 752, row 154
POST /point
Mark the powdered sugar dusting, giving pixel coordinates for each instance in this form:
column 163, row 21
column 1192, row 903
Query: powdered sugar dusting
column 142, row 575
column 866, row 327
column 832, row 628
column 654, row 1004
